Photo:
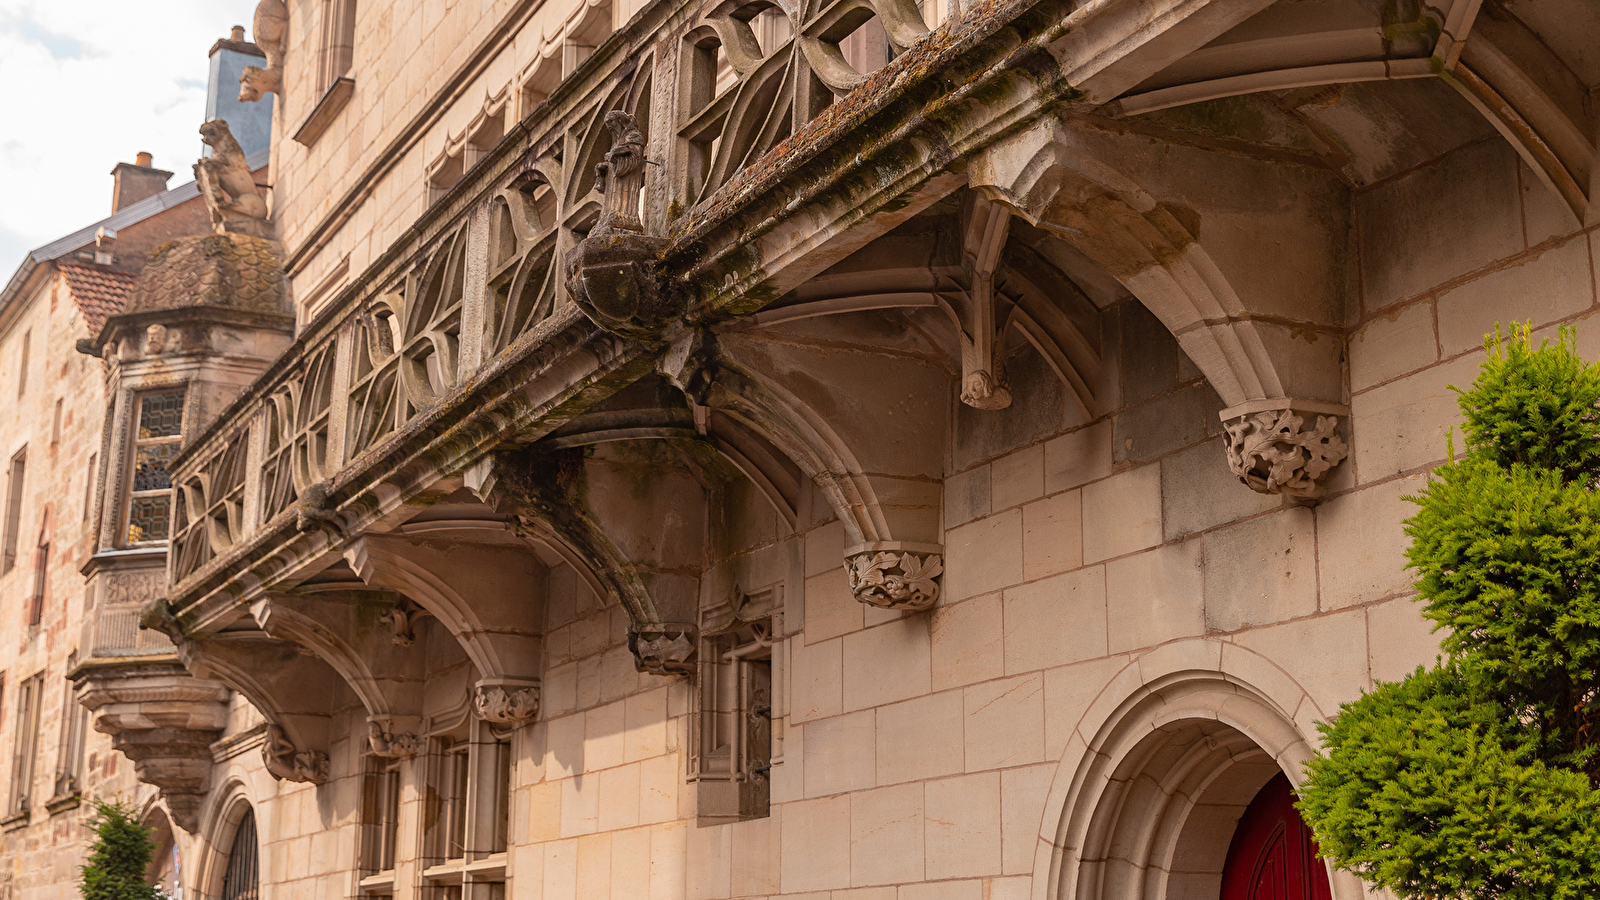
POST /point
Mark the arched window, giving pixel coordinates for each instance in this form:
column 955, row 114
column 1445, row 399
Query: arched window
column 242, row 881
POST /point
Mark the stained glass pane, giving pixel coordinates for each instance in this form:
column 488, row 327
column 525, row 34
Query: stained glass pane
column 161, row 414
column 148, row 519
column 150, row 467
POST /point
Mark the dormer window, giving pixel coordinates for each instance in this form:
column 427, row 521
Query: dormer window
column 159, row 434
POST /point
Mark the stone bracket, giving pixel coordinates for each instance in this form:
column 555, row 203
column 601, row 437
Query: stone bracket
column 1272, row 451
column 664, row 648
column 513, row 701
column 286, row 762
column 896, row 574
column 394, row 737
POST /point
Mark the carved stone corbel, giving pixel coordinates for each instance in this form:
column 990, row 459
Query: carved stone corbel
column 402, row 621
column 287, row 763
column 664, row 648
column 506, row 700
column 895, row 576
column 976, row 309
column 385, row 737
column 611, row 274
column 1272, row 451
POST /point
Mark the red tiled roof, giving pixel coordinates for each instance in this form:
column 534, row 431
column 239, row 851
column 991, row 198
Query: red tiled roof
column 100, row 292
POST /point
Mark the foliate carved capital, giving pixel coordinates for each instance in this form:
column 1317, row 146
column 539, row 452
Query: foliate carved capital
column 895, row 578
column 506, row 701
column 385, row 738
column 286, row 762
column 1273, row 451
column 663, row 648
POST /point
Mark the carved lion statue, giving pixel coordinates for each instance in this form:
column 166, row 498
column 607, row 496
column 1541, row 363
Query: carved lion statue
column 225, row 180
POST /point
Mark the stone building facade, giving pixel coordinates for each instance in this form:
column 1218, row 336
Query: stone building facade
column 67, row 522
column 712, row 450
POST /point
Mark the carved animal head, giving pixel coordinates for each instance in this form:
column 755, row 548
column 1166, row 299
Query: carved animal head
column 215, row 133
column 254, row 81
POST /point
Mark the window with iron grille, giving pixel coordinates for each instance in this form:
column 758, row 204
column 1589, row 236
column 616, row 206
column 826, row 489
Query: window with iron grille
column 158, row 435
column 242, row 880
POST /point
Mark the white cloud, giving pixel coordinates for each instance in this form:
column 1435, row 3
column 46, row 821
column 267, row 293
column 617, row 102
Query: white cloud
column 87, row 84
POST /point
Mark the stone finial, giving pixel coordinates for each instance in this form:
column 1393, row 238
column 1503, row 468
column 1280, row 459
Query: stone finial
column 286, row 762
column 506, row 701
column 229, row 189
column 895, row 579
column 269, row 27
column 1271, row 450
column 611, row 274
column 664, row 648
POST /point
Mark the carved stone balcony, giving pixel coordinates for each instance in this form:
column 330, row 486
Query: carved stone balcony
column 537, row 309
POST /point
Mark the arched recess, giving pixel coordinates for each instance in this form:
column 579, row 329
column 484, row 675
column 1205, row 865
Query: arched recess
column 295, row 691
column 232, row 820
column 349, row 630
column 1050, row 176
column 1160, row 768
column 165, row 867
column 864, row 449
column 487, row 594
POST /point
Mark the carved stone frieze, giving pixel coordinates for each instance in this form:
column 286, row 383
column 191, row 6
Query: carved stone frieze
column 506, row 701
column 1273, row 452
column 288, row 763
column 663, row 648
column 384, row 737
column 895, row 579
column 611, row 274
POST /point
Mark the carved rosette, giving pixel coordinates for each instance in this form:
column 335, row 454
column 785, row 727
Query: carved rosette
column 663, row 648
column 506, row 702
column 1273, row 452
column 384, row 738
column 895, row 579
column 286, row 762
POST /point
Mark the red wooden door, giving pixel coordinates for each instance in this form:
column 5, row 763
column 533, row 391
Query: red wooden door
column 1273, row 856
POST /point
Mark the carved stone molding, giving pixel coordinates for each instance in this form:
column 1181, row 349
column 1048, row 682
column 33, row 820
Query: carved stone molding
column 287, row 763
column 385, row 737
column 1272, row 451
column 664, row 648
column 505, row 700
column 895, row 578
column 161, row 718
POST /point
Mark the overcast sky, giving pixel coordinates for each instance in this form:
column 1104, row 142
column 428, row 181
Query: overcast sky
column 85, row 84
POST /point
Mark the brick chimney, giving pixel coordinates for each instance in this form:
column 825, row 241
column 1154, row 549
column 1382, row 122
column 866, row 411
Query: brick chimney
column 132, row 182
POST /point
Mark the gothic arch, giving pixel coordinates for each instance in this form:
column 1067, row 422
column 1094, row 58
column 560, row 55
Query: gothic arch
column 1051, row 177
column 218, row 830
column 1160, row 767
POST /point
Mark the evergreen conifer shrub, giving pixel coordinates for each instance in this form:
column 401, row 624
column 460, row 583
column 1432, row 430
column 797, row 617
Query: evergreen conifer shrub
column 120, row 857
column 1480, row 777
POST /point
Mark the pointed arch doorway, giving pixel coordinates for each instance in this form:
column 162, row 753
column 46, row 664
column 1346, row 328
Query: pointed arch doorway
column 1273, row 856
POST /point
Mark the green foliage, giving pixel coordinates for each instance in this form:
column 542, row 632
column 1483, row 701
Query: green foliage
column 121, row 855
column 1478, row 778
